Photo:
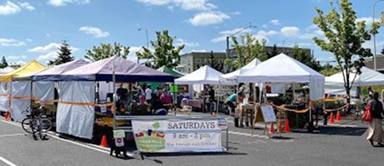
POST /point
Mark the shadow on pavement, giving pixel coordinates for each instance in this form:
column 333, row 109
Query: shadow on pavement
column 334, row 130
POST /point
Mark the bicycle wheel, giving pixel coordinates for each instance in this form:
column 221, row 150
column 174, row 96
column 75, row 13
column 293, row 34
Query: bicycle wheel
column 46, row 124
column 27, row 126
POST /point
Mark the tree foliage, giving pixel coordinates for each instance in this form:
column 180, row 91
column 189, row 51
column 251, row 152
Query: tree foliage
column 246, row 51
column 164, row 54
column 273, row 53
column 107, row 50
column 344, row 38
column 328, row 70
column 64, row 55
column 305, row 57
column 4, row 63
column 214, row 63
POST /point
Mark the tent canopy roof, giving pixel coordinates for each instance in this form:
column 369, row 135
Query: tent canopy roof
column 281, row 68
column 27, row 68
column 232, row 77
column 368, row 77
column 204, row 75
column 170, row 71
column 51, row 74
column 6, row 70
column 27, row 76
column 125, row 71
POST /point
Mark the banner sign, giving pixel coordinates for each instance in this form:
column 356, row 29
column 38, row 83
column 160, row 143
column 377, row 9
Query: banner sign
column 178, row 135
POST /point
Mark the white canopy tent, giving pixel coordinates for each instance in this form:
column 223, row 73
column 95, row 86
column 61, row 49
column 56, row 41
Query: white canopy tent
column 6, row 70
column 284, row 69
column 335, row 84
column 231, row 78
column 204, row 75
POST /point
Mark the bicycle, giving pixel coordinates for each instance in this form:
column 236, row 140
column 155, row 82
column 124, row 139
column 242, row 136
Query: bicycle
column 36, row 122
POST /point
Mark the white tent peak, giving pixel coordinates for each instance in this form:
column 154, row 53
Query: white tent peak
column 231, row 78
column 203, row 75
column 368, row 77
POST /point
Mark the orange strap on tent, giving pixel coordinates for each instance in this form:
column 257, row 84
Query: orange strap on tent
column 5, row 94
column 331, row 110
column 22, row 97
column 287, row 109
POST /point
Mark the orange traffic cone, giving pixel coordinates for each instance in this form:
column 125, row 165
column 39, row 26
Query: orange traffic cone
column 104, row 141
column 338, row 116
column 272, row 129
column 287, row 128
column 331, row 119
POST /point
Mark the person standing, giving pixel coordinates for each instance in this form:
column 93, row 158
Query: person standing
column 375, row 128
column 148, row 94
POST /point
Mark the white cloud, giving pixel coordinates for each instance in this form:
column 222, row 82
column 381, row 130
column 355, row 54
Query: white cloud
column 201, row 50
column 236, row 13
column 264, row 26
column 226, row 33
column 96, row 32
column 48, row 35
column 275, row 22
column 45, row 49
column 290, row 31
column 11, row 42
column 368, row 20
column 183, row 4
column 208, row 18
column 26, row 5
column 58, row 3
column 9, row 8
column 13, row 58
column 264, row 34
column 180, row 42
column 29, row 40
column 48, row 51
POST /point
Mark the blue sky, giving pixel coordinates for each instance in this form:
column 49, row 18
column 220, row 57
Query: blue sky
column 34, row 29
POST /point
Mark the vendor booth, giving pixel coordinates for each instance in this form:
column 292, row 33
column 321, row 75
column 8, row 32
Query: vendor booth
column 78, row 87
column 198, row 78
column 286, row 70
column 18, row 89
column 335, row 84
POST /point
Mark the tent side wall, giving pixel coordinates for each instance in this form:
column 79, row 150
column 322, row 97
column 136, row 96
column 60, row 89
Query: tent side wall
column 21, row 99
column 5, row 93
column 75, row 112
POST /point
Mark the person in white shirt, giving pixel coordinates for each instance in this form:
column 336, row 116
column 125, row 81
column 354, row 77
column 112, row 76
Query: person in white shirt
column 148, row 94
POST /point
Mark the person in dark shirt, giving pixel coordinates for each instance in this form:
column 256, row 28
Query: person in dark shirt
column 375, row 128
column 121, row 91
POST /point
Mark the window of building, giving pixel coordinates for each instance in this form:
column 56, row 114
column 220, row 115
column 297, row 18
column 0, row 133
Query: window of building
column 198, row 61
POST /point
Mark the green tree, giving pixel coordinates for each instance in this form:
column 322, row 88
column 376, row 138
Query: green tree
column 246, row 51
column 107, row 50
column 165, row 54
column 344, row 38
column 64, row 55
column 273, row 53
column 305, row 57
column 328, row 70
column 4, row 63
column 214, row 63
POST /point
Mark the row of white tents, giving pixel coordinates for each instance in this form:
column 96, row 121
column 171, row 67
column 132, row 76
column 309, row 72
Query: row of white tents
column 279, row 69
column 284, row 69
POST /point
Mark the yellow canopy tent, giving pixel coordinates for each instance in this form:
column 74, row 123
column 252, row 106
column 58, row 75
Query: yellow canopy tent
column 27, row 68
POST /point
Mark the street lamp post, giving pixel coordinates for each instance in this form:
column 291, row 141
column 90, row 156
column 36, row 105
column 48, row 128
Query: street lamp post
column 146, row 36
column 241, row 30
column 374, row 36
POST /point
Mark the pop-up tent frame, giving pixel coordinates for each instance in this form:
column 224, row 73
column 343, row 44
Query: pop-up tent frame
column 75, row 114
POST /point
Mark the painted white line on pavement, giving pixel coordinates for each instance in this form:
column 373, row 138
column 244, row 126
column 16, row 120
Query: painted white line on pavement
column 99, row 148
column 6, row 161
column 11, row 135
column 246, row 134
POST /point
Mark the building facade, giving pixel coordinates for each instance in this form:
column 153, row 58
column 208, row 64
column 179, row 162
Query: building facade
column 379, row 63
column 194, row 60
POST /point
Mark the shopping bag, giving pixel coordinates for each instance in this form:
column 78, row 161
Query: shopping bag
column 367, row 116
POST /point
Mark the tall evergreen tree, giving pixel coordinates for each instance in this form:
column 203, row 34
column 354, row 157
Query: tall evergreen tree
column 305, row 57
column 214, row 63
column 4, row 63
column 273, row 53
column 64, row 55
